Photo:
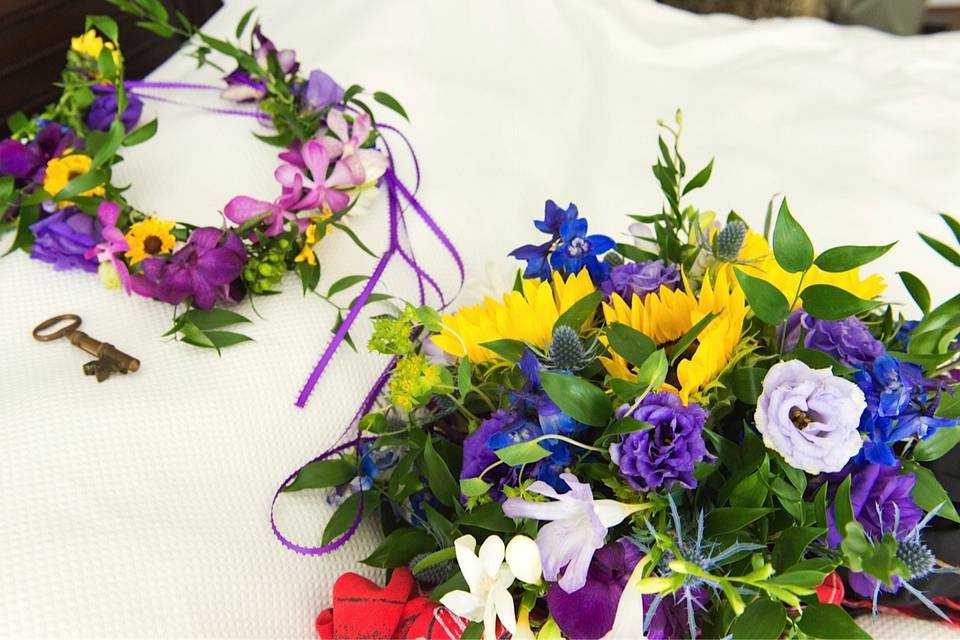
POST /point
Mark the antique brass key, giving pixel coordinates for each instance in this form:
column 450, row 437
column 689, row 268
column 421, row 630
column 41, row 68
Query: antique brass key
column 109, row 358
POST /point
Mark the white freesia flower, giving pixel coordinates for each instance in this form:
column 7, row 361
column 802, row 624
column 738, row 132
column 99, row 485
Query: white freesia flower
column 488, row 577
column 523, row 558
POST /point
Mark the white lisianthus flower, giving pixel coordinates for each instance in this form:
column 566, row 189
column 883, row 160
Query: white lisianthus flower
column 810, row 416
column 489, row 578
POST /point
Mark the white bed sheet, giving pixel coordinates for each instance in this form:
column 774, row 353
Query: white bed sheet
column 138, row 507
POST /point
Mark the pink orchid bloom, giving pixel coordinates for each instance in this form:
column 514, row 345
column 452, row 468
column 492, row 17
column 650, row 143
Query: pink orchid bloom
column 114, row 242
column 307, row 185
column 355, row 165
column 242, row 208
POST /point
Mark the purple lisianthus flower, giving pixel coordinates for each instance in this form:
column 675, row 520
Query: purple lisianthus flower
column 321, row 91
column 641, row 278
column 669, row 619
column 881, row 498
column 103, row 110
column 609, row 571
column 203, row 270
column 848, row 340
column 28, row 161
column 667, row 454
column 64, row 237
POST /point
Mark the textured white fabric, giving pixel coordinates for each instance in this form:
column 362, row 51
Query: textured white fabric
column 138, row 507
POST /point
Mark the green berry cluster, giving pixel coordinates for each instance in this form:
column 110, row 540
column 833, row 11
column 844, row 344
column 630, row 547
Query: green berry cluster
column 267, row 263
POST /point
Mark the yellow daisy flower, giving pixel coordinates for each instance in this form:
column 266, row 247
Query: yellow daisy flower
column 62, row 170
column 528, row 316
column 760, row 262
column 90, row 44
column 150, row 237
column 307, row 253
column 667, row 315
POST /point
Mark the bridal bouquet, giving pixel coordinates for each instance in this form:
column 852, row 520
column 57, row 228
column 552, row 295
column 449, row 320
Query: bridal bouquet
column 58, row 194
column 705, row 432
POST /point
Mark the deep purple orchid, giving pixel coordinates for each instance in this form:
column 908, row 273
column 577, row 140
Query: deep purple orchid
column 114, row 243
column 609, row 572
column 27, row 161
column 202, row 270
column 64, row 238
column 103, row 110
column 242, row 86
column 307, row 183
column 321, row 91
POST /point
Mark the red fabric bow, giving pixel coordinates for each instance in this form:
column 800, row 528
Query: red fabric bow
column 361, row 609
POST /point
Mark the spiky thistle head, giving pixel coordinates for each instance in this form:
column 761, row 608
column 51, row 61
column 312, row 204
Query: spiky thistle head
column 917, row 557
column 432, row 576
column 613, row 258
column 567, row 351
column 729, row 241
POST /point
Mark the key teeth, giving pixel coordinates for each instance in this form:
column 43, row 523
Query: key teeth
column 97, row 368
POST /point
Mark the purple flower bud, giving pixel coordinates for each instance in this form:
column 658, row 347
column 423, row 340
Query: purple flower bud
column 63, row 237
column 103, row 110
column 666, row 454
column 321, row 91
column 641, row 278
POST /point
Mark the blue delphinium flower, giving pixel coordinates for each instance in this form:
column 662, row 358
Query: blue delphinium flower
column 900, row 405
column 578, row 250
column 569, row 249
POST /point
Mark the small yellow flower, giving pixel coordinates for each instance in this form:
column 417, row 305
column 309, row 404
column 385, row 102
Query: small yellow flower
column 528, row 317
column 150, row 237
column 307, row 254
column 90, row 44
column 412, row 380
column 62, row 170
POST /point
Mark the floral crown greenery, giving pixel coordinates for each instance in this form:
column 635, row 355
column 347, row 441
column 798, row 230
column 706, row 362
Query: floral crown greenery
column 696, row 433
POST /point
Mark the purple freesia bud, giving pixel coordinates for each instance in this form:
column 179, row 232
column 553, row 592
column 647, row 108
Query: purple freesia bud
column 103, row 110
column 667, row 454
column 641, row 278
column 203, row 270
column 321, row 90
column 609, row 571
column 64, row 237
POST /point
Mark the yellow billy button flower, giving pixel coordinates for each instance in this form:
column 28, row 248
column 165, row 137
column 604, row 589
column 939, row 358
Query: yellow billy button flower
column 307, row 254
column 528, row 316
column 667, row 315
column 60, row 171
column 756, row 259
column 150, row 237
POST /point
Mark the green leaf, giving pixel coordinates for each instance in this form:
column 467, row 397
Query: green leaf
column 747, row 384
column 636, row 254
column 17, row 122
column 192, row 334
column 730, row 519
column 830, row 622
column 793, row 543
column 243, row 22
column 473, row 631
column 929, row 494
column 213, row 318
column 510, row 350
column 654, row 370
column 763, row 619
column 356, row 239
column 768, row 304
column 943, row 249
column 162, row 30
column 105, row 25
column 578, row 398
column 949, row 406
column 463, row 377
column 342, row 519
column 6, row 190
column 629, row 343
column 677, row 350
column 489, row 517
column 106, row 66
column 622, row 427
column 953, row 224
column 625, row 390
column 580, row 312
column 847, row 257
column 472, row 487
column 400, row 547
column 826, row 302
column 24, row 237
column 323, row 474
column 344, row 283
column 820, row 506
column 390, row 102
column 141, row 134
column 435, row 558
column 937, row 445
column 309, row 276
column 917, row 290
column 429, row 318
column 700, row 179
column 842, row 506
column 521, row 453
column 223, row 339
column 444, row 488
column 819, row 360
column 351, row 91
column 108, row 149
column 81, row 183
column 791, row 245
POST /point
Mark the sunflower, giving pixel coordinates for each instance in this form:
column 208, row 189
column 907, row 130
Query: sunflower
column 528, row 316
column 150, row 237
column 62, row 170
column 756, row 259
column 667, row 315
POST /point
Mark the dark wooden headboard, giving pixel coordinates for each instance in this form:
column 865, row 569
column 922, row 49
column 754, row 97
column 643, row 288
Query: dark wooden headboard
column 35, row 35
